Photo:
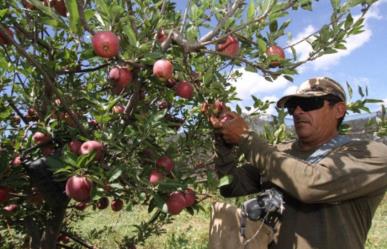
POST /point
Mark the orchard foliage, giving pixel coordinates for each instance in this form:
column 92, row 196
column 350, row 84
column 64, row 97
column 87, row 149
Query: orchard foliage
column 82, row 99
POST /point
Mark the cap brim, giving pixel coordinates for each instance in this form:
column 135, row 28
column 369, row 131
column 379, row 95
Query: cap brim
column 282, row 101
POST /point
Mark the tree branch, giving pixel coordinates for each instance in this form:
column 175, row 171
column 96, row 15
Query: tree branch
column 48, row 78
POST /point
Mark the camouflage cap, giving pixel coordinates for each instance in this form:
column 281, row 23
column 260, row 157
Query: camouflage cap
column 319, row 86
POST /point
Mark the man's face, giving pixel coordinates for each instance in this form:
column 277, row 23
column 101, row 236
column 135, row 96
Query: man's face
column 315, row 120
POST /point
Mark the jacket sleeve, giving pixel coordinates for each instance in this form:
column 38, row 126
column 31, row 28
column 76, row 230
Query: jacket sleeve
column 245, row 178
column 350, row 171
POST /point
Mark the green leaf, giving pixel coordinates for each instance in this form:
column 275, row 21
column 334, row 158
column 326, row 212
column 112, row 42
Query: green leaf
column 54, row 163
column 225, row 180
column 251, row 10
column 75, row 24
column 116, row 174
column 3, row 12
column 360, row 90
column 273, row 26
column 131, row 35
column 102, row 6
column 348, row 21
column 335, row 4
column 262, row 45
column 373, row 101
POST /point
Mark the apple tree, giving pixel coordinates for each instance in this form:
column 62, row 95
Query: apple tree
column 104, row 103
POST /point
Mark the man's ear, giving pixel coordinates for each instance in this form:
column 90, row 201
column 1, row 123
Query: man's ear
column 341, row 108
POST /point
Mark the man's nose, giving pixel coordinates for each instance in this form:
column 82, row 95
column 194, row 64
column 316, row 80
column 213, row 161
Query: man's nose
column 298, row 110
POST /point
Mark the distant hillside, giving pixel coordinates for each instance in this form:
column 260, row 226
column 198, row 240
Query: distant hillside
column 360, row 125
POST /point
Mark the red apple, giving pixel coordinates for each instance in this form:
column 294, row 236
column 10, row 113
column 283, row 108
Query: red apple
column 80, row 206
column 59, row 6
column 219, row 106
column 10, row 208
column 230, row 47
column 27, row 4
column 155, row 177
column 184, row 89
column 277, row 53
column 190, row 197
column 103, row 203
column 163, row 69
column 93, row 123
column 170, row 83
column 118, row 109
column 161, row 36
column 63, row 238
column 3, row 39
column 106, row 44
column 75, row 147
column 121, row 76
column 165, row 162
column 79, row 188
column 40, row 137
column 176, row 202
column 91, row 146
column 16, row 161
column 163, row 104
column 117, row 205
column 32, row 115
column 4, row 194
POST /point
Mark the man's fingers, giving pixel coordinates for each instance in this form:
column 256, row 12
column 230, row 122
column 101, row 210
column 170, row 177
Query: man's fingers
column 215, row 122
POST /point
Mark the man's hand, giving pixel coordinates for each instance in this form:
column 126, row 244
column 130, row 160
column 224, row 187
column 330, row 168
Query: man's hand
column 231, row 126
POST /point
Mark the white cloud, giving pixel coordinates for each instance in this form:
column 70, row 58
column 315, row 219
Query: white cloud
column 254, row 84
column 290, row 90
column 354, row 42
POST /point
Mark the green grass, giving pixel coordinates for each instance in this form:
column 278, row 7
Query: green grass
column 103, row 228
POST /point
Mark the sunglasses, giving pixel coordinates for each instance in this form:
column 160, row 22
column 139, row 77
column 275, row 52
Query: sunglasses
column 306, row 104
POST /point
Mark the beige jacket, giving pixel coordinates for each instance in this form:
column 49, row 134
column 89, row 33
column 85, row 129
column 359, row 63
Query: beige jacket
column 329, row 205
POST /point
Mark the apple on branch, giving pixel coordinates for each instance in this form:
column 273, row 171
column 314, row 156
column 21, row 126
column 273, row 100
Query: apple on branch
column 163, row 69
column 106, row 44
column 176, row 202
column 92, row 146
column 161, row 36
column 75, row 147
column 16, row 161
column 40, row 137
column 190, row 197
column 121, row 77
column 4, row 194
column 117, row 205
column 10, row 208
column 79, row 188
column 166, row 163
column 155, row 177
column 230, row 47
column 184, row 89
column 103, row 203
column 277, row 54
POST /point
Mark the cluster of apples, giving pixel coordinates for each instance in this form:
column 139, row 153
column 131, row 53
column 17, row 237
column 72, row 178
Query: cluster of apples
column 106, row 44
column 178, row 200
column 79, row 187
column 163, row 164
column 58, row 5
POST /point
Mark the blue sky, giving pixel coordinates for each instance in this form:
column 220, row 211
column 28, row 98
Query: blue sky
column 363, row 63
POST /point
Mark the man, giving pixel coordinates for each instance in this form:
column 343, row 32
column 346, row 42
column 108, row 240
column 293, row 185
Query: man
column 331, row 184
